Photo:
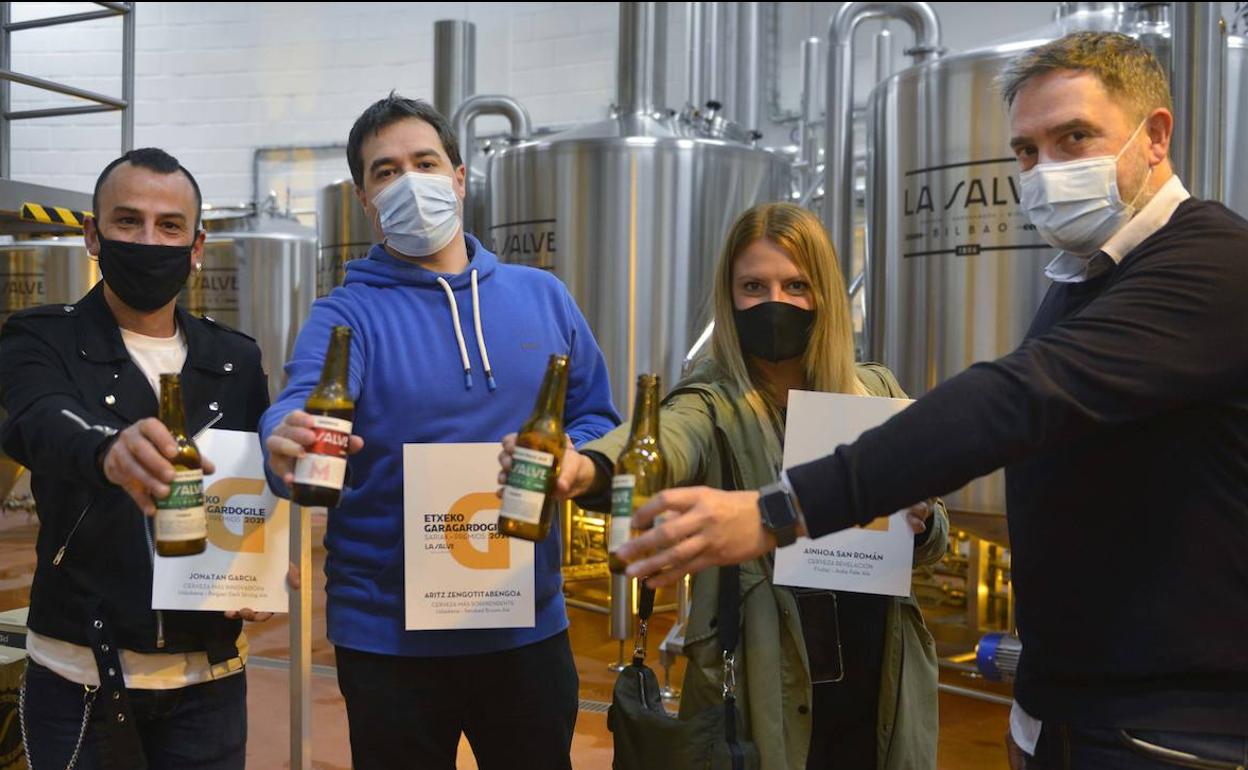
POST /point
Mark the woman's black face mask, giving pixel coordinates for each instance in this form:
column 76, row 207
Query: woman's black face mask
column 774, row 331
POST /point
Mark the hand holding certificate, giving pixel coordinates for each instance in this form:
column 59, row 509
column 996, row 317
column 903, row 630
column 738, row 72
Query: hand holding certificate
column 875, row 559
column 246, row 560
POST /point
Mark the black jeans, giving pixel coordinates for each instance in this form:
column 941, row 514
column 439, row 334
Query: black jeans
column 201, row 727
column 844, row 733
column 517, row 707
column 1082, row 748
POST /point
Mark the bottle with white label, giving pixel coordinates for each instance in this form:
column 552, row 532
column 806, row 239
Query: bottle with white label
column 181, row 525
column 640, row 470
column 321, row 472
column 527, row 510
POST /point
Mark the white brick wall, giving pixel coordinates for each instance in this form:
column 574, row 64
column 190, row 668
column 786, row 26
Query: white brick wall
column 216, row 80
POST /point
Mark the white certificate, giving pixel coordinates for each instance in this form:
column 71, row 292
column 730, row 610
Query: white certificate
column 875, row 559
column 459, row 571
column 245, row 563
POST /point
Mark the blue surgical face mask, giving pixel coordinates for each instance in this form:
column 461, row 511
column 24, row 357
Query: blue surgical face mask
column 1075, row 205
column 418, row 213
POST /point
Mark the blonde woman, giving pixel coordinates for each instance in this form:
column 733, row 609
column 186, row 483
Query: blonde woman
column 782, row 322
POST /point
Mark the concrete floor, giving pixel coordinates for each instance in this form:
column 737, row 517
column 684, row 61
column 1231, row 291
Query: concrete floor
column 970, row 739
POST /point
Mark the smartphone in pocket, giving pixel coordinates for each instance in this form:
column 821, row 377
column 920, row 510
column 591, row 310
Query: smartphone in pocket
column 822, row 631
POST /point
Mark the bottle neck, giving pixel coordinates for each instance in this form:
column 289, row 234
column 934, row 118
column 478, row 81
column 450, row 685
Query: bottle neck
column 554, row 391
column 171, row 412
column 646, row 411
column 337, row 364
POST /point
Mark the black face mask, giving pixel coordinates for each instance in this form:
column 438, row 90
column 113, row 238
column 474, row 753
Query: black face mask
column 144, row 276
column 774, row 331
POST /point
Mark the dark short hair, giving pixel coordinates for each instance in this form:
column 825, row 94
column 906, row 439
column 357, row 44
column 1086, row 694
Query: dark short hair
column 1128, row 70
column 152, row 159
column 392, row 109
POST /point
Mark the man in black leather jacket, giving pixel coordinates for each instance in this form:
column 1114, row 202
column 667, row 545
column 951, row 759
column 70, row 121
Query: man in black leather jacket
column 110, row 681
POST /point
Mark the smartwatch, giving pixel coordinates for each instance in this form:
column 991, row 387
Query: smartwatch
column 780, row 512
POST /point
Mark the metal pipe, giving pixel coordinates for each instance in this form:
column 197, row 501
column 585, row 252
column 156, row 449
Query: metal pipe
column 53, row 112
column 855, row 285
column 127, row 79
column 838, row 122
column 812, row 193
column 493, row 104
column 1065, row 10
column 694, row 19
column 454, row 65
column 472, row 108
column 807, row 139
column 748, row 65
column 882, row 53
column 623, row 599
column 640, row 83
column 1235, row 178
column 712, row 82
column 773, row 112
column 60, row 88
column 71, row 18
column 967, row 692
column 703, row 339
column 300, row 608
column 6, row 63
column 727, row 65
column 1197, row 77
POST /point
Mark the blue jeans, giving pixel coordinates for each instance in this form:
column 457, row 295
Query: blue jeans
column 1080, row 748
column 201, row 727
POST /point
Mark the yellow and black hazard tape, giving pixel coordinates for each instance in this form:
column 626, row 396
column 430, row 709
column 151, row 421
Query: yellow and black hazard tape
column 53, row 215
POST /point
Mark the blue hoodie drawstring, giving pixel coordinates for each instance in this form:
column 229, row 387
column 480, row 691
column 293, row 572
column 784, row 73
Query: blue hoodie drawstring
column 476, row 322
column 459, row 334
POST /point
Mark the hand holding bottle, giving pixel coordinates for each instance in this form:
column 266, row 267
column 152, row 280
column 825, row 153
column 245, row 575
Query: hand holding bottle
column 576, row 474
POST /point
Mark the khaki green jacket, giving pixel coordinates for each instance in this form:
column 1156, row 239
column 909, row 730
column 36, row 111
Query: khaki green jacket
column 773, row 675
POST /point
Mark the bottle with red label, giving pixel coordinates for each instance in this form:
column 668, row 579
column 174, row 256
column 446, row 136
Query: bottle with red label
column 320, row 473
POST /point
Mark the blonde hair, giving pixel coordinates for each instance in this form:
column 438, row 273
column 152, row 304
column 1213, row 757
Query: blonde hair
column 829, row 358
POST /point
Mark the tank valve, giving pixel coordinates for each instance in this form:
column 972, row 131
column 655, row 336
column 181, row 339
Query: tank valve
column 996, row 656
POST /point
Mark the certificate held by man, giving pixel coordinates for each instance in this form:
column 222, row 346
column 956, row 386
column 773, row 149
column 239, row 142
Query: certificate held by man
column 460, row 572
column 248, row 527
column 876, row 559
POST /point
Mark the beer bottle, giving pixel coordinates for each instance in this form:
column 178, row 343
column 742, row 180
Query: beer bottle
column 320, row 473
column 181, row 525
column 640, row 470
column 527, row 511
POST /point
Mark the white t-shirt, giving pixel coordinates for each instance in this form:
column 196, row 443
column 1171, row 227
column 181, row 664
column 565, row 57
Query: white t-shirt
column 144, row 671
column 156, row 355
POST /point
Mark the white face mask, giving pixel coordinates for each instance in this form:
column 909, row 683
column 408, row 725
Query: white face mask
column 1075, row 205
column 418, row 213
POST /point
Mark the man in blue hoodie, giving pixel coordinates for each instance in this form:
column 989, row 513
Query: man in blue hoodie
column 410, row 304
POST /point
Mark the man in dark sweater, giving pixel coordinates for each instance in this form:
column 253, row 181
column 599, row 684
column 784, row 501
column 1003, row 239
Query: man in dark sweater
column 1121, row 421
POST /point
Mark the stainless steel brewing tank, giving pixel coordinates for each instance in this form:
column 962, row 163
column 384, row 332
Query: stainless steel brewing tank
column 631, row 215
column 345, row 233
column 41, row 272
column 258, row 276
column 955, row 270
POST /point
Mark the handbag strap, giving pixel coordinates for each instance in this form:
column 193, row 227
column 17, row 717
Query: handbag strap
column 729, row 624
column 645, row 607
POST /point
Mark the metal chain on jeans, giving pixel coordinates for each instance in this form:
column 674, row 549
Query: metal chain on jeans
column 88, row 700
